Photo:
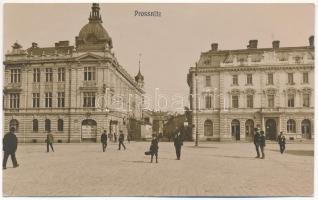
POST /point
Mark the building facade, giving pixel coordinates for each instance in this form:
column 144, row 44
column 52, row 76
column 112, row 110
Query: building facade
column 234, row 91
column 73, row 92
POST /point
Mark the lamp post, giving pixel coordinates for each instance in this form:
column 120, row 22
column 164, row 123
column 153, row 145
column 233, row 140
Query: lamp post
column 196, row 106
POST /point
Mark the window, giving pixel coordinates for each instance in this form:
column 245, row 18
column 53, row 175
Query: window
column 305, row 77
column 35, row 125
column 60, row 125
column 60, row 99
column 48, row 125
column 208, row 81
column 250, row 101
column 48, row 100
column 89, row 73
column 270, row 79
column 249, row 79
column 89, row 99
column 36, row 75
column 290, row 78
column 291, row 100
column 271, row 101
column 14, row 100
column 61, row 74
column 306, row 100
column 235, row 101
column 36, row 100
column 208, row 101
column 15, row 75
column 291, row 126
column 235, row 79
column 49, row 74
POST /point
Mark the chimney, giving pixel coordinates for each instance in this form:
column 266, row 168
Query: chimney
column 214, row 46
column 312, row 41
column 275, row 44
column 34, row 45
column 252, row 44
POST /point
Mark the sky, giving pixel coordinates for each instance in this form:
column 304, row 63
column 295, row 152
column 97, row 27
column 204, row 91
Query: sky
column 169, row 44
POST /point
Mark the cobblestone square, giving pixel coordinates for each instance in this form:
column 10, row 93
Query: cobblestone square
column 212, row 169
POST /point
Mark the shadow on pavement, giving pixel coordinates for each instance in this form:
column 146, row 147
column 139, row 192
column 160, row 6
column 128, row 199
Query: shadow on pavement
column 201, row 147
column 240, row 157
column 298, row 152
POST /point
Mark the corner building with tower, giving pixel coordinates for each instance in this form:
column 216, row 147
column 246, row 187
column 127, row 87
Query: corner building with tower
column 73, row 92
column 234, row 91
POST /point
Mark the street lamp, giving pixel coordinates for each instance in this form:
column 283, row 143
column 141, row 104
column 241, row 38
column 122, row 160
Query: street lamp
column 196, row 106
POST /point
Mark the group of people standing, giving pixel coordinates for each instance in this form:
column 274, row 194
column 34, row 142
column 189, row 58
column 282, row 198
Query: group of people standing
column 259, row 142
column 154, row 147
column 103, row 139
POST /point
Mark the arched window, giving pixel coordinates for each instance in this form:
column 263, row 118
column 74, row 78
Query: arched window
column 48, row 125
column 15, row 124
column 291, row 126
column 208, row 128
column 35, row 125
column 60, row 125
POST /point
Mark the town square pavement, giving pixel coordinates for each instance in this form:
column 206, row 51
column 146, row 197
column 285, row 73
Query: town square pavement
column 212, row 169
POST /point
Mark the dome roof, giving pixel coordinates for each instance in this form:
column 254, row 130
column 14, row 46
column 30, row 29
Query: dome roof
column 94, row 29
column 139, row 77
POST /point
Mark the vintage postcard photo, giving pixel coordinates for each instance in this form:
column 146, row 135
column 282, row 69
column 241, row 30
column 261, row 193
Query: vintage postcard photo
column 158, row 100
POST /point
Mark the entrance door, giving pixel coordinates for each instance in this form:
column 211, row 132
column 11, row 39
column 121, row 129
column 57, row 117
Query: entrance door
column 235, row 129
column 89, row 130
column 249, row 130
column 305, row 129
column 271, row 129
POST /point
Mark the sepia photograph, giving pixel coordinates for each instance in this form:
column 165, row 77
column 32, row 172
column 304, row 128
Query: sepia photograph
column 158, row 99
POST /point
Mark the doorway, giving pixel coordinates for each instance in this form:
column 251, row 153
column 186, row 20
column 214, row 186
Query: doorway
column 235, row 129
column 271, row 129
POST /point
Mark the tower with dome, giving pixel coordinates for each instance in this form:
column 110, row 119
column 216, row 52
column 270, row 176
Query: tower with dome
column 73, row 91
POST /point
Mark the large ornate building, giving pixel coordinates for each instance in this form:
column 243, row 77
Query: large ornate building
column 73, row 92
column 237, row 90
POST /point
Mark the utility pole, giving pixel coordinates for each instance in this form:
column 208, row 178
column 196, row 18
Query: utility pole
column 196, row 106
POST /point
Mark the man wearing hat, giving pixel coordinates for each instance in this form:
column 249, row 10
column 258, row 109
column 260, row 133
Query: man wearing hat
column 103, row 139
column 49, row 141
column 121, row 140
column 10, row 144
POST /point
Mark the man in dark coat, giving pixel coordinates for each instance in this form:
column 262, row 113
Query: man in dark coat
column 281, row 141
column 256, row 143
column 49, row 141
column 261, row 140
column 121, row 140
column 178, row 142
column 154, row 147
column 103, row 139
column 10, row 144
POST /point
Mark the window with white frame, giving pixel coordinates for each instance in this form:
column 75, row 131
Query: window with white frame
column 89, row 73
column 15, row 75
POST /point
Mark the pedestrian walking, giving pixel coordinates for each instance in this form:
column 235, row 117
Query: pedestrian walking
column 281, row 141
column 256, row 141
column 262, row 144
column 128, row 138
column 10, row 144
column 178, row 142
column 49, row 141
column 103, row 139
column 121, row 140
column 115, row 137
column 154, row 147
